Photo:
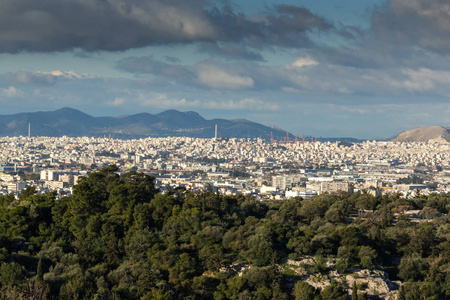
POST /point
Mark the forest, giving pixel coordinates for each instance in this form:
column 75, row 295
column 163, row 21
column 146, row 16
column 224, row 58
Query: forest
column 117, row 237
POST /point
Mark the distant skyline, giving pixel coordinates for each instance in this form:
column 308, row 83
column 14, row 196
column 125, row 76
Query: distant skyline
column 363, row 69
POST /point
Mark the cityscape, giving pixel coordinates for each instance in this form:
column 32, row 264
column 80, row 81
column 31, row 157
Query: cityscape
column 224, row 150
column 265, row 169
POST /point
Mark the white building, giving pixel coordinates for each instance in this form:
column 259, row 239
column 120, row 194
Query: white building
column 49, row 175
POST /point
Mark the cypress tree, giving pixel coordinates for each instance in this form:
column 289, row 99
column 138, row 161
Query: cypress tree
column 40, row 272
column 354, row 291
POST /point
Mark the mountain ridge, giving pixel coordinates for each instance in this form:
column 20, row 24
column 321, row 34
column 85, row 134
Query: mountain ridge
column 72, row 122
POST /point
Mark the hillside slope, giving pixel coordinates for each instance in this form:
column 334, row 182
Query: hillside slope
column 424, row 134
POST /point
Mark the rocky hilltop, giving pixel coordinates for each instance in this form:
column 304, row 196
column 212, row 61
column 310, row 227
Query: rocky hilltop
column 424, row 134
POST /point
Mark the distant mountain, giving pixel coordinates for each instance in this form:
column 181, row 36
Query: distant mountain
column 424, row 134
column 72, row 122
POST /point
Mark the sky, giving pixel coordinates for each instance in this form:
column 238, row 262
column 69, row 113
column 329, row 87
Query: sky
column 327, row 68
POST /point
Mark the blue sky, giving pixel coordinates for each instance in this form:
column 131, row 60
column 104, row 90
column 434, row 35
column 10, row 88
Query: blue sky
column 366, row 69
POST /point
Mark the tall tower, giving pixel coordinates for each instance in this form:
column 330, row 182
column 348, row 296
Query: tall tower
column 215, row 134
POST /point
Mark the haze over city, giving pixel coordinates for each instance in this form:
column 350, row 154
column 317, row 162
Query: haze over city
column 364, row 69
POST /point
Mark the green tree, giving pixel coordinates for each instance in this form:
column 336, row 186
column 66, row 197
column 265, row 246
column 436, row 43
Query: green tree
column 412, row 267
column 367, row 256
column 338, row 212
column 317, row 206
column 259, row 249
column 27, row 192
column 342, row 265
column 354, row 291
column 289, row 211
column 6, row 200
column 182, row 272
column 40, row 271
column 333, row 292
column 12, row 274
column 410, row 291
column 303, row 291
column 76, row 288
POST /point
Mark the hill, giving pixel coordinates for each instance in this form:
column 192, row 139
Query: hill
column 423, row 134
column 72, row 122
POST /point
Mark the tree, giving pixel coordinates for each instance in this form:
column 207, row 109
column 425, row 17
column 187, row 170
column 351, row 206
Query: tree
column 412, row 267
column 36, row 290
column 342, row 265
column 40, row 272
column 429, row 212
column 410, row 291
column 76, row 288
column 354, row 291
column 259, row 249
column 333, row 292
column 6, row 200
column 367, row 255
column 316, row 206
column 290, row 210
column 11, row 274
column 337, row 212
column 181, row 274
column 303, row 291
column 28, row 192
column 366, row 201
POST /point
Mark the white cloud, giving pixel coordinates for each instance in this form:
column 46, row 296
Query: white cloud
column 11, row 92
column 423, row 80
column 180, row 20
column 161, row 100
column 215, row 77
column 247, row 103
column 68, row 74
column 24, row 77
column 355, row 109
column 303, row 62
column 115, row 102
column 344, row 90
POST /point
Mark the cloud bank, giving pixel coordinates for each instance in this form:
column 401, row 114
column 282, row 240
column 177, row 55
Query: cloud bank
column 116, row 25
column 421, row 23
